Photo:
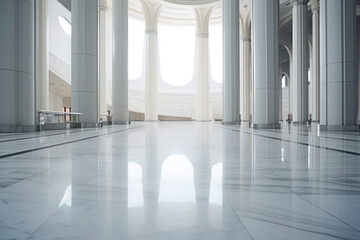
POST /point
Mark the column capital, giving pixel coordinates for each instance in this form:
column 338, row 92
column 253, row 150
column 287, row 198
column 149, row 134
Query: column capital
column 151, row 10
column 202, row 15
column 299, row 2
column 315, row 6
column 104, row 5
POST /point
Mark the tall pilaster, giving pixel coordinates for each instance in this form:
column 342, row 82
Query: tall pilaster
column 265, row 42
column 17, row 91
column 315, row 81
column 120, row 108
column 102, row 55
column 151, row 12
column 300, row 61
column 42, row 55
column 245, row 74
column 290, row 85
column 85, row 60
column 202, row 63
column 358, row 71
column 231, row 88
column 280, row 92
column 337, row 65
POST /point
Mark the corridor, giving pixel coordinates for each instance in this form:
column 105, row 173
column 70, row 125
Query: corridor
column 180, row 180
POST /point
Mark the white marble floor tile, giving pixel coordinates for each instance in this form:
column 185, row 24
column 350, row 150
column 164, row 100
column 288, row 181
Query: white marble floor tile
column 180, row 180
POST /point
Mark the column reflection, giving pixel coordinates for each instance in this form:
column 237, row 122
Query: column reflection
column 151, row 179
column 119, row 185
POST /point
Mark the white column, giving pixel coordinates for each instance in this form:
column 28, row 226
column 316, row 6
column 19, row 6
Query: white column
column 315, row 81
column 151, row 12
column 300, row 61
column 231, row 88
column 280, row 91
column 265, row 42
column 337, row 65
column 202, row 63
column 84, row 60
column 245, row 75
column 310, row 85
column 358, row 72
column 42, row 55
column 120, row 62
column 17, row 91
column 102, row 55
column 291, row 80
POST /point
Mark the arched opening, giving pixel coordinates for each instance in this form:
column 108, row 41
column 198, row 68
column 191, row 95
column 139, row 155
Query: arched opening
column 284, row 78
column 177, row 49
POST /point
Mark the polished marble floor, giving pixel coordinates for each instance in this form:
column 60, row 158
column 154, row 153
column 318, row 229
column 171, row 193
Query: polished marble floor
column 180, row 180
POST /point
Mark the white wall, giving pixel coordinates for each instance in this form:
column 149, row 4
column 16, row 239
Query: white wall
column 59, row 42
column 55, row 102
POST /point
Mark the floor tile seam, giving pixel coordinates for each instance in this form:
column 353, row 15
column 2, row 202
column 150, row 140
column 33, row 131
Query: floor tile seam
column 35, row 175
column 50, row 135
column 335, row 132
column 82, row 186
column 311, row 203
column 65, row 143
column 11, row 185
column 232, row 209
column 313, row 137
column 297, row 228
column 239, row 219
column 349, row 134
column 52, row 215
column 335, row 217
column 300, row 143
column 297, row 195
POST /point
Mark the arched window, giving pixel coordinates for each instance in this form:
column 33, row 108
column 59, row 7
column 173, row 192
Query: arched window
column 136, row 47
column 216, row 52
column 177, row 51
column 65, row 25
column 284, row 81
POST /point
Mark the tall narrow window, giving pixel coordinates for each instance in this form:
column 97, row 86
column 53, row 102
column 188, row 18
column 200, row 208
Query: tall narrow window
column 136, row 47
column 177, row 51
column 216, row 52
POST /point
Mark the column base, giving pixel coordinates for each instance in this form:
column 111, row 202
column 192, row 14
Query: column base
column 121, row 122
column 53, row 126
column 266, row 126
column 299, row 123
column 340, row 128
column 17, row 128
column 231, row 123
column 90, row 125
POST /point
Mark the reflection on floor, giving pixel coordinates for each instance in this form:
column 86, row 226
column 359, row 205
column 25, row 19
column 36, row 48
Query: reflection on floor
column 180, row 180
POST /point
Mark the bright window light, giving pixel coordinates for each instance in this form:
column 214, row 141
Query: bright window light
column 136, row 48
column 65, row 25
column 177, row 180
column 283, row 81
column 216, row 52
column 177, row 51
column 135, row 191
